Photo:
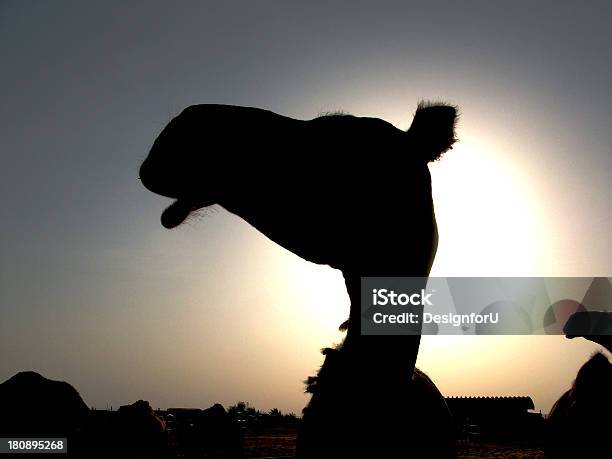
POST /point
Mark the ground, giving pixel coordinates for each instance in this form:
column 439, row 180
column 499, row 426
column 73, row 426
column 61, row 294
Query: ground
column 280, row 442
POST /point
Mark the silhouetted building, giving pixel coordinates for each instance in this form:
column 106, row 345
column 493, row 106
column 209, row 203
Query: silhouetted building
column 496, row 418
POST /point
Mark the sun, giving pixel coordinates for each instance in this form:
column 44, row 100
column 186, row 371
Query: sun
column 488, row 217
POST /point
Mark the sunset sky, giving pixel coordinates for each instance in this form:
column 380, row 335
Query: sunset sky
column 95, row 292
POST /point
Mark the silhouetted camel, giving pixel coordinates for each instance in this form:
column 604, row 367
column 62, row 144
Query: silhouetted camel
column 34, row 406
column 131, row 432
column 353, row 193
column 207, row 433
column 579, row 422
column 139, row 432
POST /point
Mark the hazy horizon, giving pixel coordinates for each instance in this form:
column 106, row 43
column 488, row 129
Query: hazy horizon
column 95, row 292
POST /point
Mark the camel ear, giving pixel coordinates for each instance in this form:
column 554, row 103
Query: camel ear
column 433, row 129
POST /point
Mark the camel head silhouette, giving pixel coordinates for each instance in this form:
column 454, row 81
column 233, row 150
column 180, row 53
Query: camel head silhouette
column 307, row 185
column 353, row 193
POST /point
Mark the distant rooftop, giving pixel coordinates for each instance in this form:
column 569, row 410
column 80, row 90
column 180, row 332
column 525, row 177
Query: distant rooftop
column 487, row 403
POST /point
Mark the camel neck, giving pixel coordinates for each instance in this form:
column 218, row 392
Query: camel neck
column 377, row 354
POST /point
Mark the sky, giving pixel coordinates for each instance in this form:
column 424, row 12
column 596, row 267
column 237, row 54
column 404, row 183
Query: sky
column 95, row 292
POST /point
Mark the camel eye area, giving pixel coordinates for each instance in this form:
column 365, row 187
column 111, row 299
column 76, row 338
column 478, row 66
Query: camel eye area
column 175, row 214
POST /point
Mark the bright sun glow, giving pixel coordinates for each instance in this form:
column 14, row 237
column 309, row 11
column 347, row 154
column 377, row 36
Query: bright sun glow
column 321, row 297
column 487, row 218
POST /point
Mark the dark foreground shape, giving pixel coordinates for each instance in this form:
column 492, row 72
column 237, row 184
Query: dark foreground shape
column 579, row 423
column 206, row 433
column 595, row 326
column 350, row 192
column 34, row 406
column 133, row 431
column 409, row 421
column 139, row 432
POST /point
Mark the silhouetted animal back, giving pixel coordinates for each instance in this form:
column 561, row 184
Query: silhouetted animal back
column 579, row 422
column 33, row 405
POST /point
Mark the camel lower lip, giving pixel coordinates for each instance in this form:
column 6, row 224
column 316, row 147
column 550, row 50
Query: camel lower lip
column 175, row 214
